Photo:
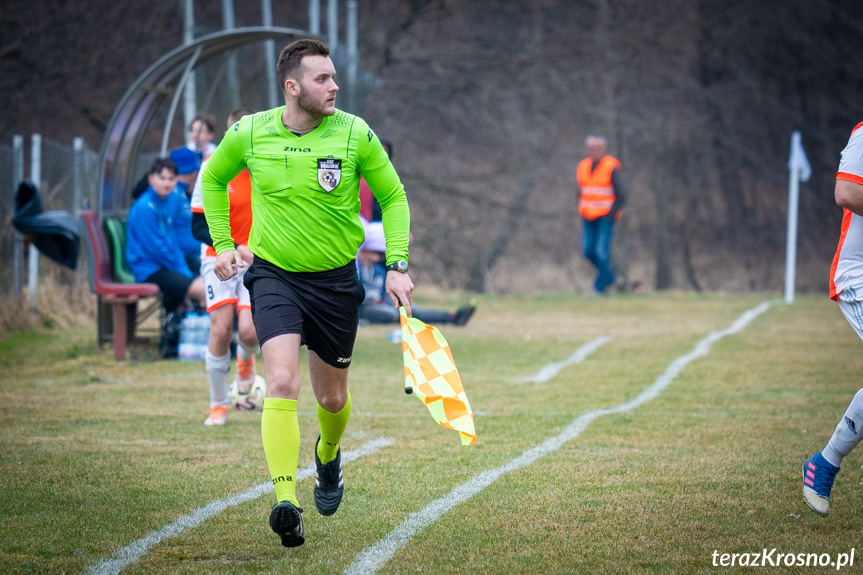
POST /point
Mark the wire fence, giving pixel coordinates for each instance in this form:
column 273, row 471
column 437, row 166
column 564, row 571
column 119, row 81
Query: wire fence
column 67, row 178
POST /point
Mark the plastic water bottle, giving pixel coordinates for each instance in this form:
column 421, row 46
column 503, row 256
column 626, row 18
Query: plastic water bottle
column 194, row 337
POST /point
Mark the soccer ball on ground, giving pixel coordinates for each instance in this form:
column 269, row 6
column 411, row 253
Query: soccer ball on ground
column 252, row 401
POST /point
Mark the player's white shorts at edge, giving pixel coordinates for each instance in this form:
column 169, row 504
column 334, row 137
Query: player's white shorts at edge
column 219, row 293
column 851, row 304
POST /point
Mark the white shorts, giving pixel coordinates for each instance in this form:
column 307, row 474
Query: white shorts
column 852, row 308
column 220, row 292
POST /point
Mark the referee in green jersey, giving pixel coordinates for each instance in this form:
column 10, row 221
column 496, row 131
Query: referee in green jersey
column 305, row 160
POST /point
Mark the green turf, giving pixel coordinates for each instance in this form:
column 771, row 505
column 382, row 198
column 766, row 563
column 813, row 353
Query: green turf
column 95, row 455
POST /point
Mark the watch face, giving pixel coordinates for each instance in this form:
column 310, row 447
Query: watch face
column 399, row 266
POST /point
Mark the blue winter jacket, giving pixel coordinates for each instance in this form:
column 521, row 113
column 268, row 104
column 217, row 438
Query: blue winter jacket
column 151, row 243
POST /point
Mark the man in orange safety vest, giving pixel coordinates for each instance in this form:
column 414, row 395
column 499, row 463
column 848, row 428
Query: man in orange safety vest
column 600, row 197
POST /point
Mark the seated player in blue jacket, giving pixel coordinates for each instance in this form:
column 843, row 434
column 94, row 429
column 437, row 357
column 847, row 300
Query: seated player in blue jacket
column 152, row 250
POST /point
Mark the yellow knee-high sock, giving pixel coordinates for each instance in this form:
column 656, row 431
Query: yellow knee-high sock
column 332, row 427
column 280, row 434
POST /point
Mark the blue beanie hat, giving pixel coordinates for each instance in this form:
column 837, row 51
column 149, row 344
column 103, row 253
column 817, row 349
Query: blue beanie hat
column 186, row 160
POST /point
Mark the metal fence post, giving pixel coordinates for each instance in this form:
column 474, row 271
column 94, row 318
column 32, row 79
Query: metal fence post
column 333, row 26
column 190, row 106
column 269, row 55
column 33, row 254
column 231, row 79
column 77, row 174
column 18, row 242
column 314, row 17
column 351, row 41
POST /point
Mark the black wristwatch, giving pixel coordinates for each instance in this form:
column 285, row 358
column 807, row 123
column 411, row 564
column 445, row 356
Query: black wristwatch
column 399, row 266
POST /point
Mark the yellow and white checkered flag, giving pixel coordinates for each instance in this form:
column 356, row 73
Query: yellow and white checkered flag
column 431, row 375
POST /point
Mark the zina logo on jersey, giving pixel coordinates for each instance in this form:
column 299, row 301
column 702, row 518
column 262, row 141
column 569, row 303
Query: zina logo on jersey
column 329, row 173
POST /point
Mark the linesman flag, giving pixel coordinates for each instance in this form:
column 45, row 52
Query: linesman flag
column 431, row 375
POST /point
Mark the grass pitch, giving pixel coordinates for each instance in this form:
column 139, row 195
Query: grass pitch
column 95, row 455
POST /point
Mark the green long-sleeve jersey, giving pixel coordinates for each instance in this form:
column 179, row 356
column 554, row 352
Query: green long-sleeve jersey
column 305, row 190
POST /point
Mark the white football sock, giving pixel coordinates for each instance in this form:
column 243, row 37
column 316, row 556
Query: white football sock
column 848, row 433
column 217, row 372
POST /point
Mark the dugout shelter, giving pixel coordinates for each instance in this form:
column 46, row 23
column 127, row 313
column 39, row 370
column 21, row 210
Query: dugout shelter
column 145, row 125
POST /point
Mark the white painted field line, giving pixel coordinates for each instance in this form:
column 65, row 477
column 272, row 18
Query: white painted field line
column 552, row 369
column 134, row 551
column 374, row 557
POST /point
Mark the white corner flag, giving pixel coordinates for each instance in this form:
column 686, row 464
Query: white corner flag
column 799, row 171
column 797, row 160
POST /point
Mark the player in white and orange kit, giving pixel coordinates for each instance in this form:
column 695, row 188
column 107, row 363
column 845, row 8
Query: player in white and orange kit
column 846, row 287
column 223, row 297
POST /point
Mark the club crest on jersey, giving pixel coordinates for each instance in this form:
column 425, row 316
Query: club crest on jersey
column 329, row 173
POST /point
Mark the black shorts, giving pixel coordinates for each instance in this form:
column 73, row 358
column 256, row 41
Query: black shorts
column 320, row 306
column 174, row 286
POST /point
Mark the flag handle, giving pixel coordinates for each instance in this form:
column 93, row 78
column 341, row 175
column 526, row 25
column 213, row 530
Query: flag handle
column 403, row 321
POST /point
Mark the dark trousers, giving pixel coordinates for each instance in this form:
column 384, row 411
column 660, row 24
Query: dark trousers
column 596, row 245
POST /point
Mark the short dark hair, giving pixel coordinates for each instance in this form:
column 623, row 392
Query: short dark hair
column 207, row 120
column 160, row 164
column 235, row 116
column 292, row 55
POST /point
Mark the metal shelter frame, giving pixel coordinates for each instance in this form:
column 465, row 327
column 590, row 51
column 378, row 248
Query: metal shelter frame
column 134, row 113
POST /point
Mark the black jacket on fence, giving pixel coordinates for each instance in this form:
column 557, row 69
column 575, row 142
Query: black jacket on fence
column 55, row 233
